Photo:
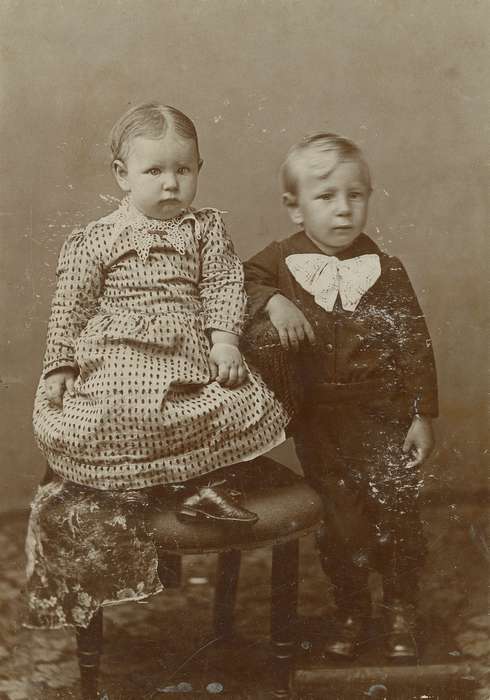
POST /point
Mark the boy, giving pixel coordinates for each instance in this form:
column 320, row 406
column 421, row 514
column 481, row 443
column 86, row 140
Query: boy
column 366, row 366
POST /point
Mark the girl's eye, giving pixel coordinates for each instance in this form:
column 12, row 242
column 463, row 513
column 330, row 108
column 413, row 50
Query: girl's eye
column 356, row 195
column 327, row 196
column 154, row 171
column 183, row 170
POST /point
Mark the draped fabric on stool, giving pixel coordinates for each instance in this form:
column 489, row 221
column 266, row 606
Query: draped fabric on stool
column 287, row 508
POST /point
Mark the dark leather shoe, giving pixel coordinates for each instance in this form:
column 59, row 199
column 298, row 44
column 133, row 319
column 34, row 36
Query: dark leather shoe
column 347, row 637
column 401, row 644
column 213, row 503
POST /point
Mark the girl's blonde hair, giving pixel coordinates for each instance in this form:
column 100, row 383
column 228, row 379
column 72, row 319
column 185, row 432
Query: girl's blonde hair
column 322, row 142
column 152, row 120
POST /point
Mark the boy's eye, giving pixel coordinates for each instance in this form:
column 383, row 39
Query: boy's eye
column 356, row 195
column 326, row 195
column 183, row 170
column 154, row 171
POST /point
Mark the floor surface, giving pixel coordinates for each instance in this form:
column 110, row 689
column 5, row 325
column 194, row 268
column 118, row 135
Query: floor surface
column 158, row 647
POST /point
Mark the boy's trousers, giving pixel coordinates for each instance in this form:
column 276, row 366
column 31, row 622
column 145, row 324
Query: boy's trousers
column 349, row 444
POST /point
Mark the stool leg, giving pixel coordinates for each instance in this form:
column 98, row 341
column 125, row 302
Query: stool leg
column 89, row 647
column 170, row 569
column 284, row 601
column 227, row 574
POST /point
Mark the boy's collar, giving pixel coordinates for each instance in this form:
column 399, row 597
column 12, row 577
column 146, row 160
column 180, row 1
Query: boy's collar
column 363, row 245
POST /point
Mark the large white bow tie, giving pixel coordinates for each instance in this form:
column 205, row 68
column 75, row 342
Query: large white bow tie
column 326, row 277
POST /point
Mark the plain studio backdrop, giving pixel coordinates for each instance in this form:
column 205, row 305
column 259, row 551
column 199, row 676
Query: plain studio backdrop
column 406, row 80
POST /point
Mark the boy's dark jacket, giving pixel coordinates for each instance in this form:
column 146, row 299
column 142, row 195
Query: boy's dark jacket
column 385, row 338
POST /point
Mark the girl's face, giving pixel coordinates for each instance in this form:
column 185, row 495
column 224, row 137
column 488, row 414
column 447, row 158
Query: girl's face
column 161, row 174
column 331, row 202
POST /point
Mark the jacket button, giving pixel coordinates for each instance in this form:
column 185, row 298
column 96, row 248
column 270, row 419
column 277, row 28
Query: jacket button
column 329, row 347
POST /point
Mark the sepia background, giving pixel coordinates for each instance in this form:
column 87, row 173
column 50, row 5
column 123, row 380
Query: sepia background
column 406, row 80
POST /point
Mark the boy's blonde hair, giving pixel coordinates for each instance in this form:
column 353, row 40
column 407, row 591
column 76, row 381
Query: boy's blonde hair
column 152, row 120
column 323, row 142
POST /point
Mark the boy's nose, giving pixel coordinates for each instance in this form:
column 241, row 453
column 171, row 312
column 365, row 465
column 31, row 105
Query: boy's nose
column 343, row 205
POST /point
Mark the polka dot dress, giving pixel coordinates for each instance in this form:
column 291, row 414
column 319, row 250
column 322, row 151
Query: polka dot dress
column 134, row 299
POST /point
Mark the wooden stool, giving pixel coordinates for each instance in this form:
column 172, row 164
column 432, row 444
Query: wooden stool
column 287, row 508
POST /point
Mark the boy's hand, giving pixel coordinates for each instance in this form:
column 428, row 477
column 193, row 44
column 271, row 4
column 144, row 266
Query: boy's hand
column 289, row 321
column 226, row 365
column 57, row 383
column 420, row 440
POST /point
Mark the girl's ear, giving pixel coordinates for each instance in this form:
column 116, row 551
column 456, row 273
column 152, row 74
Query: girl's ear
column 291, row 203
column 199, row 165
column 121, row 174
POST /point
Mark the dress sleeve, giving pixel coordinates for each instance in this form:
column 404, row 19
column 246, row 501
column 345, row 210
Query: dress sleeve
column 221, row 287
column 416, row 357
column 262, row 277
column 79, row 282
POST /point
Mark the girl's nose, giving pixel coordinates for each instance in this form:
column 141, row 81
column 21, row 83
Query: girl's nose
column 169, row 181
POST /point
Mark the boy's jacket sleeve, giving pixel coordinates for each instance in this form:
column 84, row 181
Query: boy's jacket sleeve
column 415, row 354
column 262, row 278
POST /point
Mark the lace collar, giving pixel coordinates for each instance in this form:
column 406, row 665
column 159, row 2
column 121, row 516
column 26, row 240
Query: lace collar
column 146, row 232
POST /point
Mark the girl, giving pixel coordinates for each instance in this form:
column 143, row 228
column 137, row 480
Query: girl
column 143, row 381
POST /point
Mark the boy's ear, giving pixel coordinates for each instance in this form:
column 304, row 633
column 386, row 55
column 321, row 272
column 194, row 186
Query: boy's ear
column 200, row 164
column 291, row 203
column 121, row 174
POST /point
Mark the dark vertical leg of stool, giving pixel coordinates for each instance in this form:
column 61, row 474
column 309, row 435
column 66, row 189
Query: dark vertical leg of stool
column 284, row 600
column 228, row 571
column 170, row 569
column 89, row 647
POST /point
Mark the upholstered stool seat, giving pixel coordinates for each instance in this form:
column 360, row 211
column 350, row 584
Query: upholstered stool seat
column 288, row 509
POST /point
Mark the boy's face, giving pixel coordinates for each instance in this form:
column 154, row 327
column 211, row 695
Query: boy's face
column 161, row 174
column 331, row 201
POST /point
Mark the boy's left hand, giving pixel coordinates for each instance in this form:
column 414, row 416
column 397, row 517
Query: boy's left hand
column 226, row 365
column 420, row 440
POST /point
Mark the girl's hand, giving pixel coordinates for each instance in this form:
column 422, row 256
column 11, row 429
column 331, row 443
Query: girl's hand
column 226, row 365
column 420, row 440
column 289, row 321
column 57, row 383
